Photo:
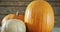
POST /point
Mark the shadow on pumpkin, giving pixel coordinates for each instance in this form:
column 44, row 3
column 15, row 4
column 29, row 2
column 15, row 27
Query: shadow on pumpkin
column 26, row 29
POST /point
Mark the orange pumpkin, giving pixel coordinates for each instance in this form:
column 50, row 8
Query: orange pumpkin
column 39, row 17
column 13, row 16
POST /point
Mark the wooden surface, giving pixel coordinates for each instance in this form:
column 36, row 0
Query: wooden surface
column 11, row 6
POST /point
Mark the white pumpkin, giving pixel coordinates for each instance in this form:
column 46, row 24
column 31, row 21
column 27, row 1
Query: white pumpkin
column 14, row 25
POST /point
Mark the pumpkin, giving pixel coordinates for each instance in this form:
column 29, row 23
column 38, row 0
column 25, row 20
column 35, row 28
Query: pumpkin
column 13, row 16
column 39, row 17
column 14, row 25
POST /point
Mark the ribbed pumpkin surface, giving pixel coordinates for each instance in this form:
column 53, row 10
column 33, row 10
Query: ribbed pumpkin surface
column 14, row 25
column 39, row 17
column 12, row 16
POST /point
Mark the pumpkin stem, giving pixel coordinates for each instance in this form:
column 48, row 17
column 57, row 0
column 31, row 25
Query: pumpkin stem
column 17, row 13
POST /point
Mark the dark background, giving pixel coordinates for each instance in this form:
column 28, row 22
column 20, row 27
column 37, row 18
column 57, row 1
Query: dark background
column 12, row 6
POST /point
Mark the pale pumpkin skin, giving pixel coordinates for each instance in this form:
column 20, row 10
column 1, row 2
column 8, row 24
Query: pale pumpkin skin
column 12, row 16
column 39, row 17
column 14, row 25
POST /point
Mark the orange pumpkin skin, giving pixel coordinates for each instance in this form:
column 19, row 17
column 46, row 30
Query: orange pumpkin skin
column 39, row 17
column 12, row 16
